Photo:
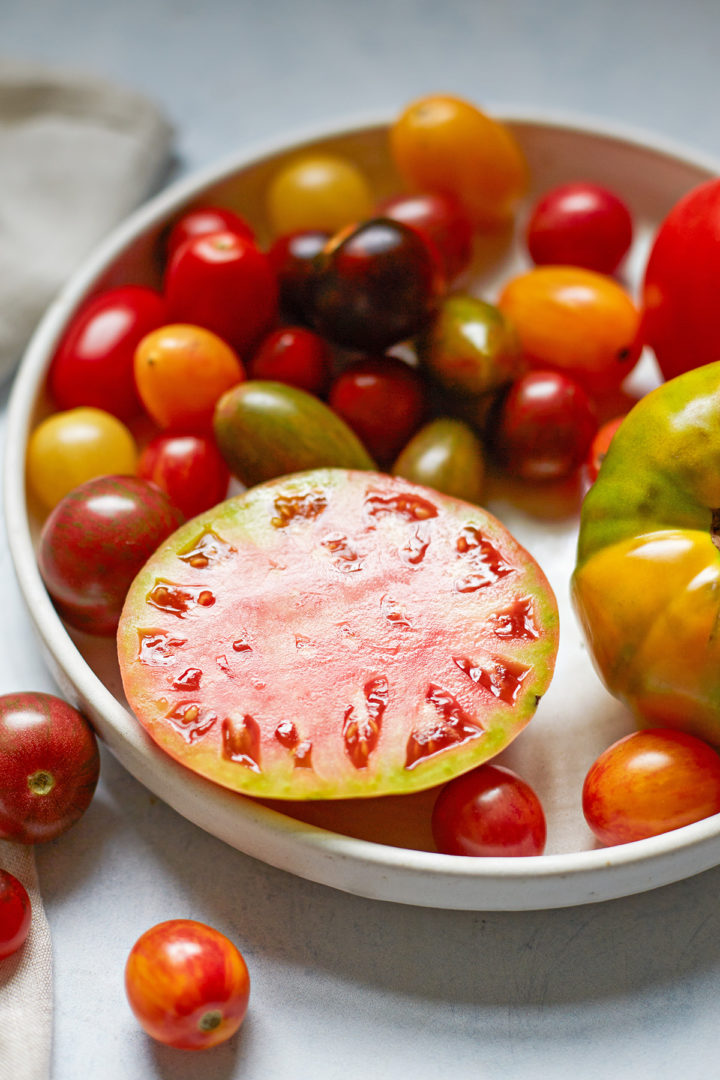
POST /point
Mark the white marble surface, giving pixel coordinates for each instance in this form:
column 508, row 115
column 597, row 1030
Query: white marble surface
column 344, row 987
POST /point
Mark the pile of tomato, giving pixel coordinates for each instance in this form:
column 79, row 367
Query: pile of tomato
column 362, row 310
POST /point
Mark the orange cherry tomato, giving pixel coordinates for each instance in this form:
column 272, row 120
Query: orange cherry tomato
column 181, row 371
column 443, row 143
column 187, row 984
column 576, row 321
column 651, row 782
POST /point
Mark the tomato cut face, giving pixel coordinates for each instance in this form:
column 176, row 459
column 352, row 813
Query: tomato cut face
column 337, row 634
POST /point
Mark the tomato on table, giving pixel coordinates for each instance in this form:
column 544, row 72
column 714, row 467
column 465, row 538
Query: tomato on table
column 187, row 984
column 93, row 364
column 203, row 220
column 293, row 355
column 68, row 448
column 15, row 914
column 489, row 811
column 225, row 283
column 181, row 371
column 188, row 468
column 49, row 763
column 580, row 224
column 383, row 400
column 651, row 782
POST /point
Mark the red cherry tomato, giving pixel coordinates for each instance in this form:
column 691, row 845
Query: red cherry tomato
column 223, row 282
column 600, row 446
column 543, row 427
column 440, row 218
column 489, row 811
column 295, row 356
column 94, row 543
column 680, row 291
column 291, row 257
column 204, row 220
column 93, row 364
column 383, row 400
column 15, row 914
column 580, row 224
column 649, row 783
column 187, row 984
column 49, row 764
column 188, row 468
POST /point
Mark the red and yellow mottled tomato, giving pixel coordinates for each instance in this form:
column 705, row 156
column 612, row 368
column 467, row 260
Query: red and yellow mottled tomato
column 49, row 763
column 443, row 143
column 649, row 783
column 15, row 914
column 187, row 984
column 181, row 371
column 489, row 811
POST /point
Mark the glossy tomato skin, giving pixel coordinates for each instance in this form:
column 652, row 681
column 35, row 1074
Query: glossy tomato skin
column 15, row 914
column 292, row 258
column 188, row 468
column 50, row 764
column 600, row 446
column 375, row 285
column 490, row 811
column 93, row 364
column 580, row 224
column 225, row 283
column 649, row 783
column 440, row 218
column 293, row 355
column 543, row 427
column 383, row 400
column 203, row 220
column 680, row 289
column 317, row 191
column 95, row 541
column 187, row 984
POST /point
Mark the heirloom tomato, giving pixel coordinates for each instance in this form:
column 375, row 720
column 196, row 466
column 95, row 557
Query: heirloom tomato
column 576, row 321
column 225, row 283
column 471, row 347
column 188, row 468
column 95, row 541
column 293, row 355
column 15, row 914
column 292, row 258
column 187, row 984
column 49, row 763
column 93, row 364
column 489, row 811
column 317, row 191
column 383, row 400
column 647, row 581
column 680, row 291
column 447, row 455
column 443, row 143
column 649, row 783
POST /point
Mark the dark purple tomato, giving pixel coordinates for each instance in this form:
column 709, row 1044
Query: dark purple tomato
column 204, row 220
column 383, row 400
column 94, row 543
column 291, row 257
column 441, row 220
column 188, row 468
column 293, row 355
column 580, row 224
column 375, row 284
column 93, row 364
column 15, row 914
column 543, row 427
column 49, row 763
column 490, row 811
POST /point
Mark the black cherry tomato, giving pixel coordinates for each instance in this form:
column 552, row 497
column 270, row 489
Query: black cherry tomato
column 439, row 218
column 291, row 257
column 383, row 400
column 489, row 811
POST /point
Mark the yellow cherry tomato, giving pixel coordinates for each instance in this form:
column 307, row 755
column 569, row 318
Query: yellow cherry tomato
column 180, row 372
column 443, row 143
column 318, row 191
column 576, row 321
column 71, row 447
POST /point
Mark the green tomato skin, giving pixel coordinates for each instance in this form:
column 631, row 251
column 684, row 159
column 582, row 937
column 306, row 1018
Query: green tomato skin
column 471, row 348
column 267, row 429
column 662, row 470
column 446, row 455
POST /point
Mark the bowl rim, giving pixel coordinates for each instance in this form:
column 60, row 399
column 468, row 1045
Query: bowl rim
column 419, row 877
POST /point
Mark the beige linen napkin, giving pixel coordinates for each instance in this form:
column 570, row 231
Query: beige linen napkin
column 76, row 155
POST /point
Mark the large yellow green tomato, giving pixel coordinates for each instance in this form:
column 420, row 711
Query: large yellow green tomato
column 647, row 582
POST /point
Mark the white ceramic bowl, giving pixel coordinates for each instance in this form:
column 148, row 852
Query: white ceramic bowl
column 381, row 848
